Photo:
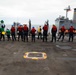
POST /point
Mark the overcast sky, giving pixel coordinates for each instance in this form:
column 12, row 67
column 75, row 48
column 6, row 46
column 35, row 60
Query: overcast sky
column 36, row 10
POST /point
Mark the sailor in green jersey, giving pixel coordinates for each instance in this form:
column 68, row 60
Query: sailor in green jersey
column 0, row 33
column 8, row 34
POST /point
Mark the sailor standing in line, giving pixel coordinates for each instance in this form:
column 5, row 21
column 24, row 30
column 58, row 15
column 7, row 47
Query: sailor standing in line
column 45, row 30
column 39, row 33
column 71, row 33
column 62, row 33
column 33, row 30
column 13, row 33
column 25, row 33
column 3, row 32
column 53, row 31
column 8, row 34
column 20, row 34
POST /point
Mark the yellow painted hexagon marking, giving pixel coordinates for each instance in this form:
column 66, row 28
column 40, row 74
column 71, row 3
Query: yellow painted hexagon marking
column 35, row 55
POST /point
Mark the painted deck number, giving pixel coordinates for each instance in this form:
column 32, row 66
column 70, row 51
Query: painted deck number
column 35, row 55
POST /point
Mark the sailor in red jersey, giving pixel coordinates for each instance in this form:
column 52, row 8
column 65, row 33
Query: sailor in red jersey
column 62, row 33
column 33, row 30
column 53, row 31
column 20, row 32
column 45, row 30
column 25, row 32
column 13, row 33
column 71, row 33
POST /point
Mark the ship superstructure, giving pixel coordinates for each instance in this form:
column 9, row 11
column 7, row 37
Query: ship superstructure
column 62, row 21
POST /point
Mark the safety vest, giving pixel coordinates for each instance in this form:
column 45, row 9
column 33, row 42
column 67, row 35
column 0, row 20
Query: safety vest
column 39, row 29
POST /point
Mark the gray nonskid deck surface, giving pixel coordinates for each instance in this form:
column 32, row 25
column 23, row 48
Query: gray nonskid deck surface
column 61, row 58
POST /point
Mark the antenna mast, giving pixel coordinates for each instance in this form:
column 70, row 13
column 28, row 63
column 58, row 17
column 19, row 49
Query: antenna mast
column 67, row 9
